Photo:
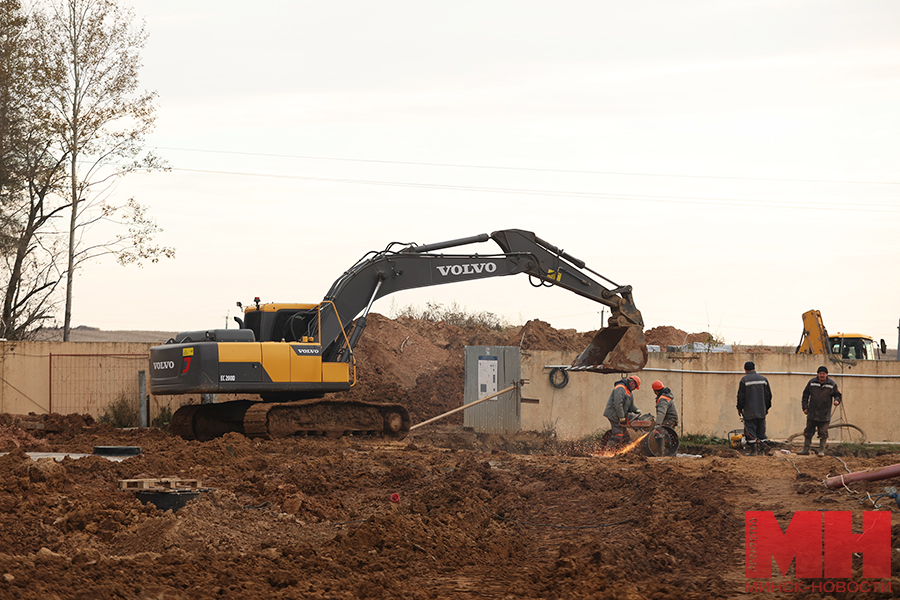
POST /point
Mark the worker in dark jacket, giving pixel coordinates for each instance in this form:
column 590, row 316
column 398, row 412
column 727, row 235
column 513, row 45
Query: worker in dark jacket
column 666, row 413
column 619, row 406
column 818, row 395
column 754, row 399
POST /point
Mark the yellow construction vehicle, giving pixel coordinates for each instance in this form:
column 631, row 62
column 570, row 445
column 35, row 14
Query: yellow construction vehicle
column 851, row 346
column 294, row 354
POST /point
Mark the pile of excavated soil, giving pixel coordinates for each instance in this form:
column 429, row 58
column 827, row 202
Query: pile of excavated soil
column 666, row 335
column 419, row 364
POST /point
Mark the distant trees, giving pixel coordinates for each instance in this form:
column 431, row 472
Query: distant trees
column 75, row 121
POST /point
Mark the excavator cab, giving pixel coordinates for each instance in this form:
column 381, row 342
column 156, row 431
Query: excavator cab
column 856, row 346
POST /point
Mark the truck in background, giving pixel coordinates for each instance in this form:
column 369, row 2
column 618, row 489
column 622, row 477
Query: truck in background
column 850, row 346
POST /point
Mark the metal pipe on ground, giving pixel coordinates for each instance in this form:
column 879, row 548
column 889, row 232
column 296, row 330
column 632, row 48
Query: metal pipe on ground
column 464, row 407
column 873, row 475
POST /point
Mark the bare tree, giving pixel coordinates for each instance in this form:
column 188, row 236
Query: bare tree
column 31, row 169
column 89, row 57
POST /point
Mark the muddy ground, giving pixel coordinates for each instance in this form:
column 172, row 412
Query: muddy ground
column 476, row 516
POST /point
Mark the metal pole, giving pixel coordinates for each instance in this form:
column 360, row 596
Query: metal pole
column 469, row 405
column 143, row 399
column 50, row 388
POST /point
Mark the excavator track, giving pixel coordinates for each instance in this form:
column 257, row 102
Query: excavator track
column 317, row 417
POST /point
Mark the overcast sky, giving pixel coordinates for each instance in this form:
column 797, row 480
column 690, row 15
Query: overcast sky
column 736, row 162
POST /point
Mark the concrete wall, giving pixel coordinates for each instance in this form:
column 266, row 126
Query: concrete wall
column 86, row 377
column 705, row 387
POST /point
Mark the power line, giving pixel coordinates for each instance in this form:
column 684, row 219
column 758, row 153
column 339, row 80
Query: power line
column 531, row 169
column 730, row 202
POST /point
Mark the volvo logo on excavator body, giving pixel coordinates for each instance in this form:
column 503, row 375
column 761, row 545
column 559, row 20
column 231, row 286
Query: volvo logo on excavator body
column 467, row 269
column 162, row 365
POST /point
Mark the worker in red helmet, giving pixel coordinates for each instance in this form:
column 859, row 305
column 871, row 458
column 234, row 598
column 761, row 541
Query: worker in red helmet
column 620, row 407
column 666, row 413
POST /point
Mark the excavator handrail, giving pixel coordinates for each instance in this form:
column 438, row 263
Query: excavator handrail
column 352, row 360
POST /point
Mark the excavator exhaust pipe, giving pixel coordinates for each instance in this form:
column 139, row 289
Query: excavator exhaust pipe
column 614, row 350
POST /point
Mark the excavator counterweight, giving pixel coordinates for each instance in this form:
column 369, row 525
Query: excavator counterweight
column 292, row 355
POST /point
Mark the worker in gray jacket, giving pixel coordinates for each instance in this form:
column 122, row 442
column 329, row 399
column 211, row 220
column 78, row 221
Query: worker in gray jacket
column 819, row 394
column 666, row 413
column 754, row 399
column 619, row 406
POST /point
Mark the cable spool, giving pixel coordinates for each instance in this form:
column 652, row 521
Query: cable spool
column 559, row 377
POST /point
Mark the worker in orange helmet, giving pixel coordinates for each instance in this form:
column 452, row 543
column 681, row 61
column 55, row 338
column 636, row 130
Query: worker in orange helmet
column 666, row 413
column 620, row 407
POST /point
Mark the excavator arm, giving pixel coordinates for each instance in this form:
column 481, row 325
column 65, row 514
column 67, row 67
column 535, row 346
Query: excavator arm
column 618, row 348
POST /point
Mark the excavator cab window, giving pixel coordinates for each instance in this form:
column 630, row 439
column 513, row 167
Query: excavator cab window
column 852, row 349
column 296, row 326
column 304, row 326
column 252, row 322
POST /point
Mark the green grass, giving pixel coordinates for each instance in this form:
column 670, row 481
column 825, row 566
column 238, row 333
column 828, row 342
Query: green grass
column 702, row 439
column 122, row 412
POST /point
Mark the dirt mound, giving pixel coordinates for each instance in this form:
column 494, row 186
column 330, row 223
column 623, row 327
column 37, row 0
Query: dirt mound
column 314, row 518
column 445, row 513
column 538, row 335
column 666, row 335
column 420, row 364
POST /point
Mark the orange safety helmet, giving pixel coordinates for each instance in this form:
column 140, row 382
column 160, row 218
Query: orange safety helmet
column 657, row 385
column 637, row 381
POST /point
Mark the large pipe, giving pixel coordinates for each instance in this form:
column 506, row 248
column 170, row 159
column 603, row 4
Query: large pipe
column 873, row 475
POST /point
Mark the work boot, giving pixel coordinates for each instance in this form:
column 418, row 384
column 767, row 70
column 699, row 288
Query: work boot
column 821, row 451
column 752, row 450
column 807, row 442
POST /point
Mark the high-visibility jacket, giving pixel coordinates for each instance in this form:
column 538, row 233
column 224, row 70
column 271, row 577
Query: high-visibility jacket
column 817, row 398
column 754, row 397
column 620, row 402
column 666, row 413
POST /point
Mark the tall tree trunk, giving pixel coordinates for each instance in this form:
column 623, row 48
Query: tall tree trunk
column 70, row 271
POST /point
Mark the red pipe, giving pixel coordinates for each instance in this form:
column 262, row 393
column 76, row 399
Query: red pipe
column 873, row 475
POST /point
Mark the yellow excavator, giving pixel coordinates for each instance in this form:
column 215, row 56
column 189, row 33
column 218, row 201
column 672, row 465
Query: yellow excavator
column 849, row 346
column 291, row 355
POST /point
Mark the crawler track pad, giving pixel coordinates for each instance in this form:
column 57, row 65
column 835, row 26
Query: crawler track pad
column 330, row 418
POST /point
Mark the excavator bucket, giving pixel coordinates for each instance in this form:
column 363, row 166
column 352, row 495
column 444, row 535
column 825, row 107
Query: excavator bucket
column 614, row 350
